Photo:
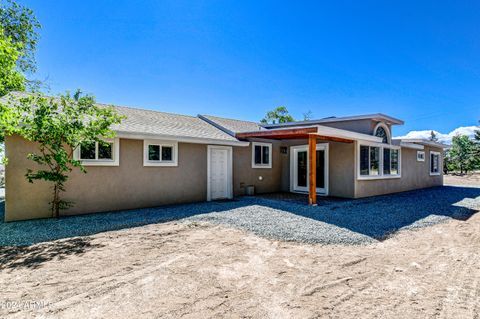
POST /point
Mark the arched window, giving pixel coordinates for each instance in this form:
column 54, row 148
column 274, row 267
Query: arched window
column 381, row 130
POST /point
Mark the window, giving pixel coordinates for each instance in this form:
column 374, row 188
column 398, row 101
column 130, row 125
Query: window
column 261, row 155
column 420, row 156
column 160, row 153
column 390, row 161
column 376, row 161
column 103, row 153
column 382, row 131
column 369, row 160
column 434, row 163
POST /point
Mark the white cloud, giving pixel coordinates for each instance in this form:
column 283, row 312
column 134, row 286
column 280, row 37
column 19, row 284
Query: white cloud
column 444, row 138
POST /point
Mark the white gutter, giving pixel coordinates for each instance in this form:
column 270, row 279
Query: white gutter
column 194, row 140
column 423, row 142
column 412, row 146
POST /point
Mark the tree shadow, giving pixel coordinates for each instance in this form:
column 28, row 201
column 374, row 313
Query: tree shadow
column 32, row 257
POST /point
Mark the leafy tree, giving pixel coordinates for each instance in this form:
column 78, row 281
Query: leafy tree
column 461, row 156
column 20, row 25
column 476, row 140
column 278, row 115
column 58, row 126
column 433, row 137
column 10, row 78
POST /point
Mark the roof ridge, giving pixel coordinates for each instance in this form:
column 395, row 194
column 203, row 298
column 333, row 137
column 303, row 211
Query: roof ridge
column 143, row 109
column 228, row 118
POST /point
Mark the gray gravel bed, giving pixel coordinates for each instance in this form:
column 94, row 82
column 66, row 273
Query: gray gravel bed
column 345, row 222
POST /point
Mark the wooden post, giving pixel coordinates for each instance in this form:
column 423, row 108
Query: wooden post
column 312, row 176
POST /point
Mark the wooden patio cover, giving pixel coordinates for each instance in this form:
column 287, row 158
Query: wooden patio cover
column 310, row 133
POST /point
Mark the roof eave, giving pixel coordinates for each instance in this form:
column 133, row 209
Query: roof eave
column 184, row 139
column 377, row 117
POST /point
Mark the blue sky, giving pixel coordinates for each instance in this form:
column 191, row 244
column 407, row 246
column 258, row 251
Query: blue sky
column 418, row 61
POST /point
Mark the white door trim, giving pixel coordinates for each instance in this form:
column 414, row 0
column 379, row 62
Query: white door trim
column 229, row 170
column 293, row 170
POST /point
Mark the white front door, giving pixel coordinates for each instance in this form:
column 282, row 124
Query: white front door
column 299, row 168
column 219, row 172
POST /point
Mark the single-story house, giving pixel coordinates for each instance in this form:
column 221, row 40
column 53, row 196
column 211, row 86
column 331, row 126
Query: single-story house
column 162, row 158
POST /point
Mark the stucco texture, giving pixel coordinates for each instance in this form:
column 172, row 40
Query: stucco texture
column 414, row 175
column 104, row 188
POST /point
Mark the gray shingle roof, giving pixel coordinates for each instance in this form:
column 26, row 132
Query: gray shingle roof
column 140, row 121
column 159, row 124
column 232, row 126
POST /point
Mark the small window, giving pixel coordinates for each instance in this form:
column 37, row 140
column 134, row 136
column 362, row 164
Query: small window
column 261, row 155
column 96, row 151
column 160, row 153
column 434, row 163
column 103, row 153
column 420, row 156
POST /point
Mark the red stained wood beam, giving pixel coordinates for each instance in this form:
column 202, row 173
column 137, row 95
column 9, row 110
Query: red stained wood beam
column 312, row 176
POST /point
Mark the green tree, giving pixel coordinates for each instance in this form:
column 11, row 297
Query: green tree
column 58, row 126
column 278, row 115
column 11, row 79
column 461, row 155
column 20, row 25
column 433, row 137
column 476, row 140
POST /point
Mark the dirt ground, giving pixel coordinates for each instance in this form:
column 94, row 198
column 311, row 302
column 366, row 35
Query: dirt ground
column 467, row 180
column 194, row 270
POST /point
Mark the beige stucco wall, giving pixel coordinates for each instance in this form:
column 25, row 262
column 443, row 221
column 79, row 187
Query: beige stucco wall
column 244, row 174
column 414, row 175
column 127, row 186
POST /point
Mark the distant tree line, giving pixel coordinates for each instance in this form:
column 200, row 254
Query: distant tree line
column 464, row 154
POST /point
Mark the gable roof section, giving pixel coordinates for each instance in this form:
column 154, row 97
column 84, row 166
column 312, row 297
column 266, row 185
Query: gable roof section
column 376, row 116
column 231, row 126
column 167, row 125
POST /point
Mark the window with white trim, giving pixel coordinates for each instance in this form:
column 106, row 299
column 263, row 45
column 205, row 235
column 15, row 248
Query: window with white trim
column 102, row 153
column 420, row 156
column 261, row 155
column 377, row 161
column 434, row 163
column 160, row 153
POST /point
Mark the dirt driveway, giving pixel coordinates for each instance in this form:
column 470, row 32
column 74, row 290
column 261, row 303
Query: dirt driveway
column 201, row 271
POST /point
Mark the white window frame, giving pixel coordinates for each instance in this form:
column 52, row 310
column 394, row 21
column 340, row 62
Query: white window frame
column 439, row 163
column 101, row 162
column 161, row 143
column 420, row 159
column 269, row 145
column 381, row 175
column 387, row 130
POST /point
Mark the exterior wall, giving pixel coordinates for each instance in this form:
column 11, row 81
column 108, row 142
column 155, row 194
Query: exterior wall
column 244, row 175
column 341, row 172
column 128, row 186
column 414, row 175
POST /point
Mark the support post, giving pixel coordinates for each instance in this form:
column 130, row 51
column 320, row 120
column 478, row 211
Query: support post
column 312, row 176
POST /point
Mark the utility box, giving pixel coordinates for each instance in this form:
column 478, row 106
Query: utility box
column 250, row 190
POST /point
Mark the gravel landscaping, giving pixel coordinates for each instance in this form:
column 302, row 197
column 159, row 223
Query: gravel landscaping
column 344, row 222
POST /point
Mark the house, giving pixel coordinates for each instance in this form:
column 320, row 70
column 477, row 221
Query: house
column 162, row 158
